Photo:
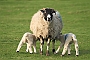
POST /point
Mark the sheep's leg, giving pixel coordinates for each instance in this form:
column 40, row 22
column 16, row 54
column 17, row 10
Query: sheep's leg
column 69, row 49
column 59, row 47
column 53, row 45
column 48, row 44
column 65, row 47
column 76, row 47
column 19, row 46
column 41, row 46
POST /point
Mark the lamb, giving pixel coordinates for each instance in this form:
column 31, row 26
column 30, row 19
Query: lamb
column 30, row 40
column 46, row 24
column 66, row 40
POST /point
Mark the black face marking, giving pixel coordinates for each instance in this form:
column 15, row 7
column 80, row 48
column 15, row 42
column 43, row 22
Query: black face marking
column 48, row 14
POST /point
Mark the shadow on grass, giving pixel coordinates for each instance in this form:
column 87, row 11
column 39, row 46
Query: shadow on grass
column 84, row 52
column 22, row 52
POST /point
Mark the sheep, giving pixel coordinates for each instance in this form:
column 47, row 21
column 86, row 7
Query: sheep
column 46, row 24
column 30, row 40
column 66, row 40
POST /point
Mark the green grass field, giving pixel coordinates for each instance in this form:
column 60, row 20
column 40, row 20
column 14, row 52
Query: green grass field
column 15, row 19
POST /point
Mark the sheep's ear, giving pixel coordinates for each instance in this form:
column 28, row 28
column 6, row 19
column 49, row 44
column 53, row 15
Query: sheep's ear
column 53, row 11
column 42, row 11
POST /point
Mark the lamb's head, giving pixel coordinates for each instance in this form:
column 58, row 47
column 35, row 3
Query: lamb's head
column 59, row 36
column 48, row 13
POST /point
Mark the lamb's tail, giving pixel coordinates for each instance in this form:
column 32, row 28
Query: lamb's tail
column 74, row 37
column 25, row 37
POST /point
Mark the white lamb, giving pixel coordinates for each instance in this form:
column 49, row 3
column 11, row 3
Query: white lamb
column 30, row 40
column 46, row 24
column 66, row 40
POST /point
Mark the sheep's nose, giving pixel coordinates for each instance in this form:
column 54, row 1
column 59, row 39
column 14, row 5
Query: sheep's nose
column 48, row 17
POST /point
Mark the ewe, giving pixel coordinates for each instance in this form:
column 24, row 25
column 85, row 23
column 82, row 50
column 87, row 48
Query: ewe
column 66, row 40
column 30, row 40
column 46, row 24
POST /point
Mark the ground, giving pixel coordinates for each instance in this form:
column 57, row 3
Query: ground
column 15, row 19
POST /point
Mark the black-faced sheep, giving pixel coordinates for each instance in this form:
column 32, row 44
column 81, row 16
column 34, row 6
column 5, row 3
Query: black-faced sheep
column 30, row 40
column 46, row 24
column 66, row 40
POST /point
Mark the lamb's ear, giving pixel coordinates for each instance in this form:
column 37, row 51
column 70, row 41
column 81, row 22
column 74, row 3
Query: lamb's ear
column 60, row 33
column 42, row 11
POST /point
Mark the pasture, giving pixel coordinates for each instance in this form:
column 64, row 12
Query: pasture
column 15, row 19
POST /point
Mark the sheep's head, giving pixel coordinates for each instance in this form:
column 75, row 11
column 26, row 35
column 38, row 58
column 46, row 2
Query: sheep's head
column 48, row 13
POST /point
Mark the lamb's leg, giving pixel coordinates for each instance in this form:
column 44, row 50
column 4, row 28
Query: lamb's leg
column 30, row 49
column 69, row 49
column 76, row 47
column 27, row 47
column 34, row 47
column 19, row 46
column 57, row 50
column 48, row 44
column 65, row 47
column 59, row 47
column 53, row 45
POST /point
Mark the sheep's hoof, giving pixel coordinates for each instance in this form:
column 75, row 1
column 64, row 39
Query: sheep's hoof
column 41, row 52
column 53, row 50
column 61, row 55
column 47, row 53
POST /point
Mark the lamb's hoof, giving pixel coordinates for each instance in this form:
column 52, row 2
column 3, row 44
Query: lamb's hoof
column 76, row 55
column 26, row 50
column 69, row 54
column 47, row 53
column 61, row 55
column 55, row 53
column 31, row 53
column 35, row 52
column 17, row 51
column 53, row 50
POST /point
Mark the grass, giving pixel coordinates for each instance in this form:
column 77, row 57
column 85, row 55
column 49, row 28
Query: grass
column 15, row 19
